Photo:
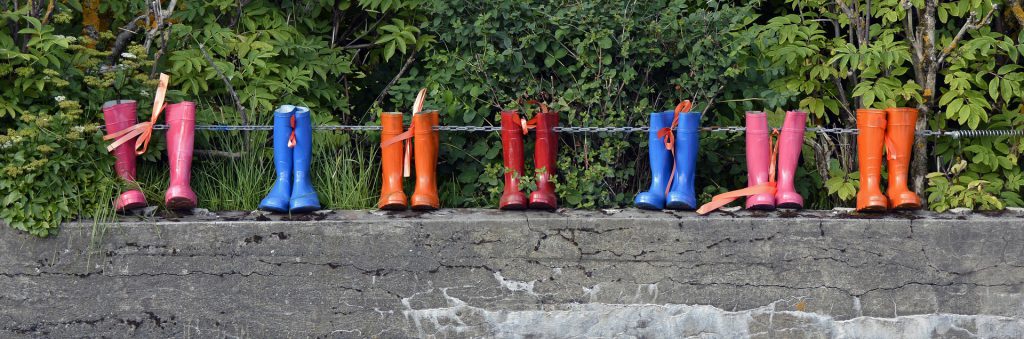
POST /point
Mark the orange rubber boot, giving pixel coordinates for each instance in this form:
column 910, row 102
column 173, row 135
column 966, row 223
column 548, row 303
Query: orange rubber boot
column 900, row 140
column 425, row 145
column 871, row 132
column 392, row 197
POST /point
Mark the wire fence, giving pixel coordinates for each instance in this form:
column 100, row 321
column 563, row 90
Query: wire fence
column 956, row 134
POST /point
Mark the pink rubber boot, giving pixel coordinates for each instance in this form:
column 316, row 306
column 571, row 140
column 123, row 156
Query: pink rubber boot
column 791, row 141
column 758, row 160
column 181, row 122
column 118, row 115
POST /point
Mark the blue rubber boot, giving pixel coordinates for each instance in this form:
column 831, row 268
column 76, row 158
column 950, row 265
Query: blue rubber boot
column 304, row 198
column 661, row 164
column 682, row 195
column 277, row 199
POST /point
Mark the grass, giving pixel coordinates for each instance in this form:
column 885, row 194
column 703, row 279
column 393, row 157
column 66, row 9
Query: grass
column 345, row 171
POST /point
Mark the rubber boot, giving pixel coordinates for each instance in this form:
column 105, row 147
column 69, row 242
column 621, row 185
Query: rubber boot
column 303, row 198
column 425, row 145
column 661, row 163
column 900, row 133
column 118, row 115
column 280, row 194
column 791, row 142
column 759, row 143
column 392, row 196
column 512, row 152
column 181, row 132
column 545, row 160
column 871, row 132
column 682, row 196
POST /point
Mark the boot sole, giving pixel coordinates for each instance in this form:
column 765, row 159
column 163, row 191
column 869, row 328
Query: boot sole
column 179, row 203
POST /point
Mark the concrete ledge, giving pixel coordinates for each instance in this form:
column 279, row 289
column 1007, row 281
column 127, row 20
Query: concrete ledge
column 472, row 273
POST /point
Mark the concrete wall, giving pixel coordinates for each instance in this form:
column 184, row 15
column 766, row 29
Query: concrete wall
column 472, row 273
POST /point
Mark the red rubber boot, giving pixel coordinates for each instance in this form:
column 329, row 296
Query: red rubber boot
column 544, row 161
column 512, row 151
column 181, row 122
column 118, row 115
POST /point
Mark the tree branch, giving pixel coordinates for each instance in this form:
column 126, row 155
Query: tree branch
column 969, row 25
column 121, row 42
column 227, row 84
column 408, row 62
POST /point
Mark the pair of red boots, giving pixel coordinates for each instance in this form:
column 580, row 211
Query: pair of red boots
column 133, row 138
column 513, row 128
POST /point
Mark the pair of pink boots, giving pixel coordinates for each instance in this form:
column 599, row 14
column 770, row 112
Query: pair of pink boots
column 760, row 163
column 181, row 122
column 763, row 192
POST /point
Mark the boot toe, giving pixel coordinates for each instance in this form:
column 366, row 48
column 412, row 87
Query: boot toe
column 762, row 202
column 423, row 202
column 872, row 202
column 649, row 201
column 789, row 200
column 130, row 200
column 513, row 201
column 393, row 201
column 905, row 201
column 304, row 203
column 681, row 201
column 180, row 197
column 543, row 201
column 274, row 204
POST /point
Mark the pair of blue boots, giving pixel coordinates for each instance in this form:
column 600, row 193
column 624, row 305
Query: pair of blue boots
column 293, row 147
column 681, row 195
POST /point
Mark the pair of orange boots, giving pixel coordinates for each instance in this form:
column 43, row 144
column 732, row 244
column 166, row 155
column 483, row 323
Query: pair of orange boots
column 893, row 130
column 396, row 158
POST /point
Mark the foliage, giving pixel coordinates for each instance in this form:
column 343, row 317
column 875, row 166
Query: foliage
column 597, row 62
column 600, row 69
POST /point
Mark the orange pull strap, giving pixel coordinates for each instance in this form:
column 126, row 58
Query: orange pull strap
column 527, row 125
column 669, row 135
column 291, row 139
column 890, row 148
column 143, row 130
column 766, row 188
column 406, row 136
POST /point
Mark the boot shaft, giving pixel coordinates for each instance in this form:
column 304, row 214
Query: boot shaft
column 791, row 142
column 181, row 121
column 512, row 148
column 900, row 128
column 119, row 115
column 871, row 125
column 425, row 145
column 546, row 148
column 758, row 148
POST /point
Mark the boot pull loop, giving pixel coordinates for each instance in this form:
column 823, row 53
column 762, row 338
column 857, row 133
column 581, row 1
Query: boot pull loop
column 725, row 198
column 417, row 105
column 291, row 138
column 669, row 135
column 527, row 125
column 766, row 188
column 773, row 155
column 143, row 130
column 890, row 148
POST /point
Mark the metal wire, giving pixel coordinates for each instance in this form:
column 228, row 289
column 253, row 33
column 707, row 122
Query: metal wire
column 956, row 134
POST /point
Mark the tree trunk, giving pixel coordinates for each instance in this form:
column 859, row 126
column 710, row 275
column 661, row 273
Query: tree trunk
column 91, row 21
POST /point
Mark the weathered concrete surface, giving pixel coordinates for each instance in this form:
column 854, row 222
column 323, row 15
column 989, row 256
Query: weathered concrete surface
column 533, row 274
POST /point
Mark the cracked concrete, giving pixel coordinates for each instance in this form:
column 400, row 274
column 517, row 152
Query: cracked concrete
column 483, row 273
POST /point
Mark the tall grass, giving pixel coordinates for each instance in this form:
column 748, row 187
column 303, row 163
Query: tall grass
column 240, row 174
